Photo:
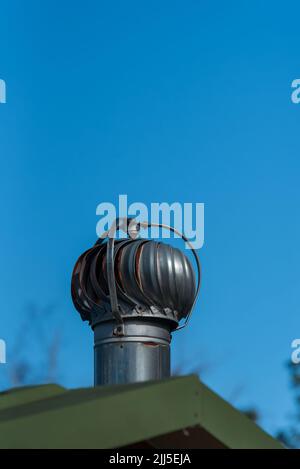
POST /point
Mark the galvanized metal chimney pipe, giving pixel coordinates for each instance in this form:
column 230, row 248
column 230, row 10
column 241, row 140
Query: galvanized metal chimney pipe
column 133, row 292
column 142, row 354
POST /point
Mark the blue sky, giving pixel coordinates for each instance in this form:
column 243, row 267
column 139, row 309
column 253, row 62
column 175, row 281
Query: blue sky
column 163, row 101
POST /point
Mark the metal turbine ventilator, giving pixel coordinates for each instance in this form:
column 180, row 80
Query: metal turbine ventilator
column 134, row 292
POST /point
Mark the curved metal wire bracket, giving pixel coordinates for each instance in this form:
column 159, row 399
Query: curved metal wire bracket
column 119, row 224
column 182, row 236
column 132, row 227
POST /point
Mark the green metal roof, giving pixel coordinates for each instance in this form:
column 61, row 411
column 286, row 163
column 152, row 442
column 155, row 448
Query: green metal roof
column 179, row 412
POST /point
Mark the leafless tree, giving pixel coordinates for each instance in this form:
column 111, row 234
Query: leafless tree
column 33, row 356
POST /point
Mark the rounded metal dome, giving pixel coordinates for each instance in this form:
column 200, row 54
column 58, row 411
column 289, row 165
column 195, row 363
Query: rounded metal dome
column 147, row 273
column 156, row 274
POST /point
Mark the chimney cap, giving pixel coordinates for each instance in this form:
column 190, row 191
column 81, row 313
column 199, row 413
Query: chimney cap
column 134, row 278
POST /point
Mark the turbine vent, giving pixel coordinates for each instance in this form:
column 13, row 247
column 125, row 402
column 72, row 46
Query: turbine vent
column 133, row 292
